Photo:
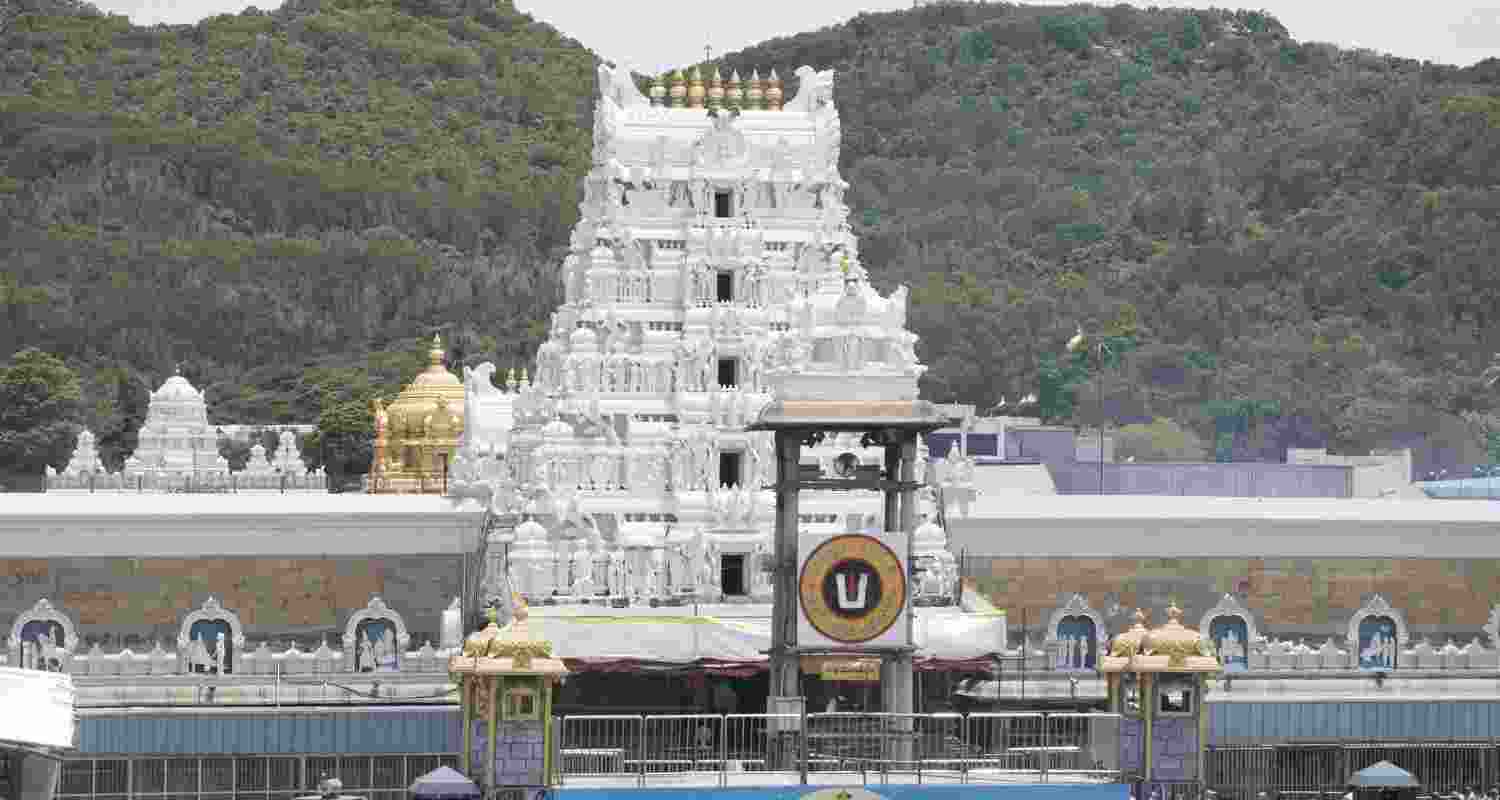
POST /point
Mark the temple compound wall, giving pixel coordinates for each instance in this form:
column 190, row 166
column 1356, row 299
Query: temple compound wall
column 1293, row 597
column 136, row 602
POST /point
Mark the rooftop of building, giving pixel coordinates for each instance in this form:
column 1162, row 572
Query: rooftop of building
column 21, row 506
column 1156, row 507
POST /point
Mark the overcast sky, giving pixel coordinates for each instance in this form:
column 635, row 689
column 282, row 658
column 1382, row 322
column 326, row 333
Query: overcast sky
column 654, row 35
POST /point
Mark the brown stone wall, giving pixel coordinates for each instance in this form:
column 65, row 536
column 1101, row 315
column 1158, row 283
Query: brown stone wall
column 134, row 602
column 1289, row 596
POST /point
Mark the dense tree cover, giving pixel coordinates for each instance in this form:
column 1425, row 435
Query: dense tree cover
column 284, row 203
column 1286, row 226
column 343, row 444
column 287, row 202
column 40, row 411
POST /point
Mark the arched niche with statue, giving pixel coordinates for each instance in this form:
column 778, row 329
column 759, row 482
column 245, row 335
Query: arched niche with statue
column 1377, row 632
column 1076, row 636
column 210, row 638
column 375, row 638
column 1232, row 630
column 42, row 638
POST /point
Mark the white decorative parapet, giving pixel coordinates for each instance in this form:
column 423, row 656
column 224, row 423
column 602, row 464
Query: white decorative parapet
column 202, row 482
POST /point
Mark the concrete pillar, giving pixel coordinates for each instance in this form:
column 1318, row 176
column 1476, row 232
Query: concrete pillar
column 786, row 669
column 892, row 496
column 898, row 682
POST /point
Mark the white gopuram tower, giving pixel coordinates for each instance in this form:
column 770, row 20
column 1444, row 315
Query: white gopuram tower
column 713, row 217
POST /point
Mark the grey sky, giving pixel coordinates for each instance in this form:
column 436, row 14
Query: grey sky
column 653, row 35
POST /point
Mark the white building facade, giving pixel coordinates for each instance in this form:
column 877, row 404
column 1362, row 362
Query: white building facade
column 713, row 252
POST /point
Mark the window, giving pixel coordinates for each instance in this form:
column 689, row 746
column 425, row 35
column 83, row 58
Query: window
column 1176, row 694
column 1130, row 694
column 729, row 469
column 521, row 703
column 726, row 286
column 728, row 372
column 732, row 574
column 723, row 205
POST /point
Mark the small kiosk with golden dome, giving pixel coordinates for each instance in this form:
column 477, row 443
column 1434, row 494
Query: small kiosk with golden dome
column 419, row 432
column 1157, row 681
column 506, row 678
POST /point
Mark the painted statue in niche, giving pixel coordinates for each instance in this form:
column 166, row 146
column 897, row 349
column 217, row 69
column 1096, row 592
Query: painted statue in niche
column 1229, row 635
column 1377, row 643
column 376, row 646
column 1080, row 643
column 42, row 645
column 211, row 643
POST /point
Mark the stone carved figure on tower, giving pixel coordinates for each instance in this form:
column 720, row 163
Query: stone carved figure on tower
column 724, row 145
column 814, row 90
column 616, row 84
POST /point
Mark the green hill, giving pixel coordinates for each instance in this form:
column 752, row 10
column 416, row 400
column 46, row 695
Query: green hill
column 290, row 203
column 1276, row 224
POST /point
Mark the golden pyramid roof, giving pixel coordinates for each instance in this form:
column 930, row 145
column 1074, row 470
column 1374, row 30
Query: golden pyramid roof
column 514, row 649
column 422, row 396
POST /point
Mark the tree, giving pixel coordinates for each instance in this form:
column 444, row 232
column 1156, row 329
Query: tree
column 1161, row 440
column 344, row 442
column 41, row 414
column 118, row 435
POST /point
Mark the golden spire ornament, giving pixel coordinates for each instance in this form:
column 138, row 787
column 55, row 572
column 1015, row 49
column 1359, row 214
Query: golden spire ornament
column 773, row 91
column 734, row 92
column 755, row 92
column 715, row 89
column 695, row 91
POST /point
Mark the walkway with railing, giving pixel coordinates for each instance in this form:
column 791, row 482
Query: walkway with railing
column 771, row 749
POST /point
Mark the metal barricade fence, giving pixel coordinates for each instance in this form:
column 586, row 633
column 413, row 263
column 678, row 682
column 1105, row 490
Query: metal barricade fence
column 1009, row 746
column 242, row 777
column 686, row 744
column 600, row 746
column 1320, row 770
column 1082, row 744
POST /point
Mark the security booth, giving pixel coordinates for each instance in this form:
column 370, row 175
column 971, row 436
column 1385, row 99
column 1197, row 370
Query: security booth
column 506, row 680
column 1157, row 680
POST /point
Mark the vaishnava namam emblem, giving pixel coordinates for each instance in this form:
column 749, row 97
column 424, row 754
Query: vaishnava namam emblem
column 852, row 588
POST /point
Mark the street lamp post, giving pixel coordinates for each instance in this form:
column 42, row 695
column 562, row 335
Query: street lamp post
column 1080, row 344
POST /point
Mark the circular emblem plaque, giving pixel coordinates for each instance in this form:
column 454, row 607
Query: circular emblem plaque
column 852, row 588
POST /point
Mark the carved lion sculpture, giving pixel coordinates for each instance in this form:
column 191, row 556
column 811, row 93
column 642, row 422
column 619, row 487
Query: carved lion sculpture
column 814, row 90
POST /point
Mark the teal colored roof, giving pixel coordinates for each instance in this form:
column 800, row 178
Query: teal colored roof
column 356, row 730
column 1462, row 488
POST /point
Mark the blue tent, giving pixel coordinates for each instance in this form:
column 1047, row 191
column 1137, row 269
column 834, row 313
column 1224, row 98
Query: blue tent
column 1383, row 775
column 444, row 783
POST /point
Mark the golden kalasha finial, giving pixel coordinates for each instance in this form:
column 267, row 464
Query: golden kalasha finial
column 677, row 95
column 773, row 91
column 695, row 92
column 524, row 379
column 493, row 615
column 435, row 355
column 658, row 91
column 734, row 91
column 715, row 89
column 510, row 377
column 1174, row 614
column 844, row 265
column 755, row 92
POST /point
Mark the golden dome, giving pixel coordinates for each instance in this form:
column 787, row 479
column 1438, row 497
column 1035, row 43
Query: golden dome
column 420, row 429
column 510, row 649
column 1184, row 649
column 1128, row 643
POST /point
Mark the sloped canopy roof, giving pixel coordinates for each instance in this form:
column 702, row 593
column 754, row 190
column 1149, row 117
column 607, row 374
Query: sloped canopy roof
column 1382, row 775
column 444, row 783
